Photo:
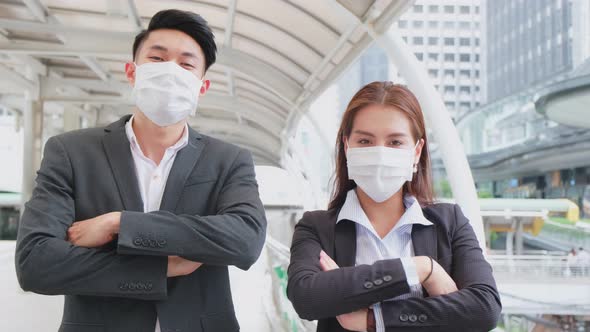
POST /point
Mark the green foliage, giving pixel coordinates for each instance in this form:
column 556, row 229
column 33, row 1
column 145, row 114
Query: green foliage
column 442, row 189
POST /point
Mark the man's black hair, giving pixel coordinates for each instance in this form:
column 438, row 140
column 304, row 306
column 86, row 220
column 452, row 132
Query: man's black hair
column 188, row 22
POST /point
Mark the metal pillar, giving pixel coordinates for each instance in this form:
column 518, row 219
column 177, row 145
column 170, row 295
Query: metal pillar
column 519, row 236
column 71, row 119
column 33, row 126
column 509, row 243
column 442, row 126
column 488, row 234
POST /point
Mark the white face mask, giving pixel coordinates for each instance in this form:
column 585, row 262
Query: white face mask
column 165, row 92
column 380, row 171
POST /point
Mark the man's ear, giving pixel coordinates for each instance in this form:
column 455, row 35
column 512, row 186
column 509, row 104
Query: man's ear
column 206, row 85
column 130, row 72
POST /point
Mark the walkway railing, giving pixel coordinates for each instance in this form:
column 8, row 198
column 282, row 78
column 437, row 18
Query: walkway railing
column 282, row 312
column 537, row 267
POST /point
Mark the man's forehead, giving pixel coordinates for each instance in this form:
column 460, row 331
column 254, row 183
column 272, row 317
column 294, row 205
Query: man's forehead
column 158, row 47
column 168, row 40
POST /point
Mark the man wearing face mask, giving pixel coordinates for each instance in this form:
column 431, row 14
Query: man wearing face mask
column 137, row 222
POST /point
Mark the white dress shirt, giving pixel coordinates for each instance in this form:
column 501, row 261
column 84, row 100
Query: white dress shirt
column 151, row 177
column 396, row 244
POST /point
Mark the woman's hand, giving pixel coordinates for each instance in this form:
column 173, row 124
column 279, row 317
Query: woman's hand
column 354, row 321
column 439, row 282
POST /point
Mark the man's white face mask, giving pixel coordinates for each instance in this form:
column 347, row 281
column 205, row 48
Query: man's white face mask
column 165, row 92
column 380, row 171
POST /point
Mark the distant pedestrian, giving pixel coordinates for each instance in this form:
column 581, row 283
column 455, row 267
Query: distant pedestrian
column 583, row 260
column 571, row 263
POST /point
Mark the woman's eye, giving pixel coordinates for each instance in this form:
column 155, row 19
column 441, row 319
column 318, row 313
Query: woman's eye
column 363, row 141
column 188, row 65
column 396, row 143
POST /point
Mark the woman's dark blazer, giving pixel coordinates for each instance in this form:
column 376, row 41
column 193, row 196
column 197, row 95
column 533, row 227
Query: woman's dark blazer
column 450, row 240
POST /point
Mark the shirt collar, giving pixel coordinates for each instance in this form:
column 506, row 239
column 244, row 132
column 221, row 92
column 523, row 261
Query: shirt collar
column 353, row 211
column 181, row 143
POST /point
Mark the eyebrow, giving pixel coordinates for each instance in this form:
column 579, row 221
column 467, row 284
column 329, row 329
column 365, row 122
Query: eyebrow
column 158, row 48
column 164, row 49
column 366, row 133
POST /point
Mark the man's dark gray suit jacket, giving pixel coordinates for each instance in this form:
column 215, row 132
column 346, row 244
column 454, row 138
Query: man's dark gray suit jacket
column 210, row 213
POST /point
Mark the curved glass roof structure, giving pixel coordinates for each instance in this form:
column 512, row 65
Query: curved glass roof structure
column 275, row 57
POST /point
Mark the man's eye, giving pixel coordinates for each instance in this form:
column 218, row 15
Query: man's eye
column 188, row 65
column 157, row 58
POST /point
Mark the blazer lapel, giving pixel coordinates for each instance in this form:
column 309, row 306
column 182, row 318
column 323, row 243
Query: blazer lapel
column 345, row 243
column 184, row 163
column 118, row 152
column 424, row 240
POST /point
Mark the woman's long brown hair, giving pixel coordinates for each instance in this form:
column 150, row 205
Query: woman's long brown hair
column 398, row 97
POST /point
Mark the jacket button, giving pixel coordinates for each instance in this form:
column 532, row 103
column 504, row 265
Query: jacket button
column 387, row 278
column 378, row 282
column 137, row 241
column 413, row 318
column 422, row 318
column 403, row 317
column 368, row 285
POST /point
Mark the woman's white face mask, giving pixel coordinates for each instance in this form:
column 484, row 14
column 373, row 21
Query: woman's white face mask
column 165, row 92
column 380, row 171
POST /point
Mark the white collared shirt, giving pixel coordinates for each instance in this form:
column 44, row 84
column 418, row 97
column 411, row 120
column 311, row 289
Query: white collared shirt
column 151, row 177
column 396, row 244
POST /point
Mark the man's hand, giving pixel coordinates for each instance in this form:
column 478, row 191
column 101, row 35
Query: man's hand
column 178, row 266
column 95, row 232
column 353, row 321
column 439, row 282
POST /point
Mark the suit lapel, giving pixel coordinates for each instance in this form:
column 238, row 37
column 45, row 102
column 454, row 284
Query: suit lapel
column 424, row 240
column 345, row 243
column 184, row 163
column 118, row 152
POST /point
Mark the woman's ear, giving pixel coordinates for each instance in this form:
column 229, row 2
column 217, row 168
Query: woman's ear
column 345, row 143
column 419, row 147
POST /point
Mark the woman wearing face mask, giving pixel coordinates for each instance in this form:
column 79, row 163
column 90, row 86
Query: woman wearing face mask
column 384, row 257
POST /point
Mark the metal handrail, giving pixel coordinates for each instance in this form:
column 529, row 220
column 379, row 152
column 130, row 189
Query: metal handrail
column 535, row 267
column 496, row 252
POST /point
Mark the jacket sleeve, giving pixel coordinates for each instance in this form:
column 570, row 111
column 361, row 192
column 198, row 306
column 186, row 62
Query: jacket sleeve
column 475, row 306
column 316, row 294
column 233, row 236
column 48, row 264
